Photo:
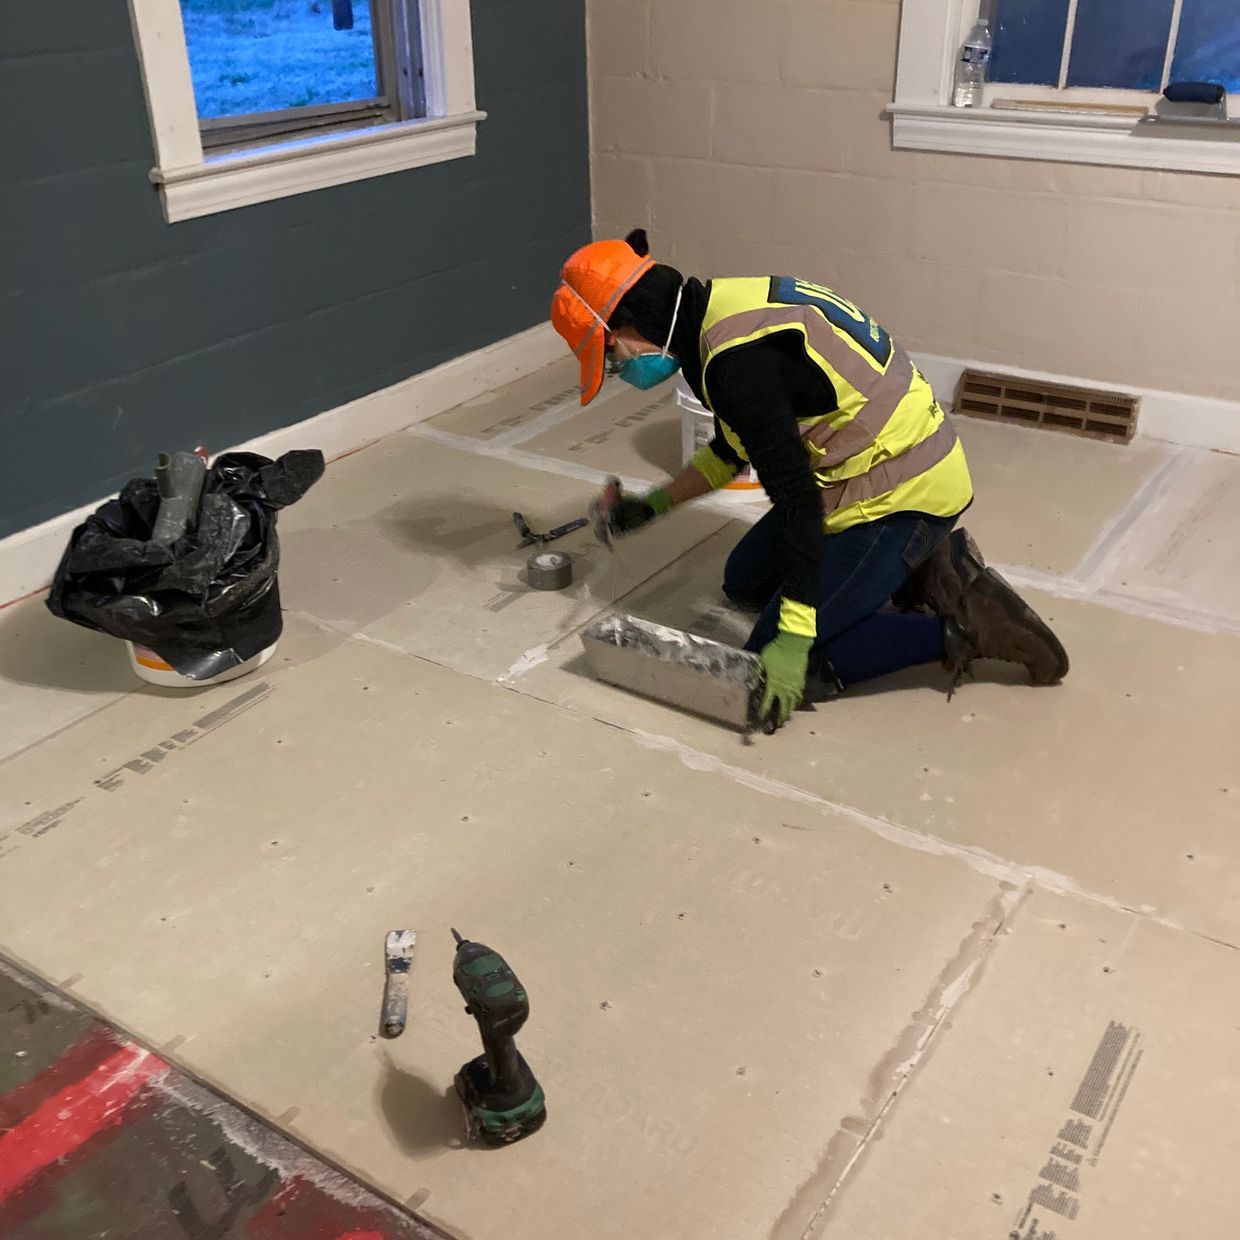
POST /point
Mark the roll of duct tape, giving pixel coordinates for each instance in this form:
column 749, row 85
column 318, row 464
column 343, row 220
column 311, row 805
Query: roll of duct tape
column 549, row 570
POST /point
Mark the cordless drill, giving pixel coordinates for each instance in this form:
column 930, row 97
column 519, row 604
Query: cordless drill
column 502, row 1100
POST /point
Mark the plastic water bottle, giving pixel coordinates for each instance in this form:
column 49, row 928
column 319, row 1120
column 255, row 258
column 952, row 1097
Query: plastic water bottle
column 971, row 67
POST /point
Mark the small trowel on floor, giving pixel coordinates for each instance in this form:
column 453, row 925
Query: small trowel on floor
column 397, row 960
column 532, row 538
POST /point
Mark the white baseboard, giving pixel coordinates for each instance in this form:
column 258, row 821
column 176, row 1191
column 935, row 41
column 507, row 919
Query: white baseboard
column 370, row 418
column 1193, row 421
column 29, row 558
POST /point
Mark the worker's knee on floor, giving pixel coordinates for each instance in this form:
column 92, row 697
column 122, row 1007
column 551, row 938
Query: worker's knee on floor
column 741, row 588
column 743, row 594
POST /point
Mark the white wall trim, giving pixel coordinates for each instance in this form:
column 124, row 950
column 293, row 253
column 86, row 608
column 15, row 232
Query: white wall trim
column 159, row 34
column 1118, row 142
column 931, row 33
column 29, row 558
column 447, row 56
column 224, row 182
column 1173, row 417
column 192, row 185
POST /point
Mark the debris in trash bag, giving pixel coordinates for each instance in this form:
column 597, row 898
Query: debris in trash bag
column 207, row 602
column 179, row 478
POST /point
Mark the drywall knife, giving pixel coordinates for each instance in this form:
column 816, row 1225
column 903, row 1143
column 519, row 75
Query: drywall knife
column 397, row 959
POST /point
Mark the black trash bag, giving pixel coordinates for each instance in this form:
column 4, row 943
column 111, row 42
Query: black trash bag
column 209, row 602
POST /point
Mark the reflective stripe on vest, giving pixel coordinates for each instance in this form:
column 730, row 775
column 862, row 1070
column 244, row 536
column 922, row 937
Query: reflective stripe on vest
column 887, row 475
column 883, row 390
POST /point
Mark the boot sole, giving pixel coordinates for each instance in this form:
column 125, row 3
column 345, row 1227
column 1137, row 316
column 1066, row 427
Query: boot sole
column 994, row 585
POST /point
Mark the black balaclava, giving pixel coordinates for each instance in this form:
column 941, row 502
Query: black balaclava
column 649, row 305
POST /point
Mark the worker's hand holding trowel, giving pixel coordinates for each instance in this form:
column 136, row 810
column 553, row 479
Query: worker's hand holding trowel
column 785, row 662
column 775, row 677
column 615, row 513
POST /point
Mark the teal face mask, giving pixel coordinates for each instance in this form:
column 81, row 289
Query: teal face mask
column 648, row 370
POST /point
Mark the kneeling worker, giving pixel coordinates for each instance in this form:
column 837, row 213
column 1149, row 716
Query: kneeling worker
column 863, row 469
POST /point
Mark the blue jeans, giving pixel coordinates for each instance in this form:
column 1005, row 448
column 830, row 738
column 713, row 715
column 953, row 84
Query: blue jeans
column 861, row 569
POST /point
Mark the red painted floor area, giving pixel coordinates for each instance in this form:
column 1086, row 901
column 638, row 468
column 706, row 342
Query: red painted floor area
column 100, row 1138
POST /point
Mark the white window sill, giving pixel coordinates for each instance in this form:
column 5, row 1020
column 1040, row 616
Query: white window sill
column 1079, row 139
column 241, row 178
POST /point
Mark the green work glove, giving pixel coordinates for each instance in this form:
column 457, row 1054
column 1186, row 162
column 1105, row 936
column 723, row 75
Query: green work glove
column 785, row 661
column 633, row 511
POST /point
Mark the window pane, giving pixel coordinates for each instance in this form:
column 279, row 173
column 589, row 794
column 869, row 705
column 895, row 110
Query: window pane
column 249, row 56
column 1120, row 43
column 1208, row 49
column 1029, row 41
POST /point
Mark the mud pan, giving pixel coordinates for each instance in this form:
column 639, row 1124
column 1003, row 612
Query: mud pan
column 690, row 673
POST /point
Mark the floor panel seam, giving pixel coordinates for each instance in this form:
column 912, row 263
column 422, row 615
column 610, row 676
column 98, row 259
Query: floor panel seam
column 1133, row 604
column 562, row 411
column 538, row 654
column 68, row 727
column 1062, row 585
column 1097, row 560
column 955, row 983
column 979, row 860
column 518, row 456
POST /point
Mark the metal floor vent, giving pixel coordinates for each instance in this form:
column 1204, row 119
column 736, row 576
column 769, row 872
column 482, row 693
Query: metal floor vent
column 1091, row 412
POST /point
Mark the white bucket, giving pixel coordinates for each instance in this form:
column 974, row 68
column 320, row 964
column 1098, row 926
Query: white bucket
column 150, row 667
column 697, row 429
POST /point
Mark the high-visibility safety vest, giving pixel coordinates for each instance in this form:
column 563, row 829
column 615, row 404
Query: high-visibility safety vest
column 888, row 446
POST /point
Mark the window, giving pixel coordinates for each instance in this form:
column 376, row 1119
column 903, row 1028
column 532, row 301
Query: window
column 1129, row 44
column 1207, row 47
column 262, row 68
column 1072, row 80
column 257, row 99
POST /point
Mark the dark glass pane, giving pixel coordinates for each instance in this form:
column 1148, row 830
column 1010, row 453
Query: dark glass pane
column 250, row 56
column 1028, row 41
column 1208, row 49
column 1120, row 43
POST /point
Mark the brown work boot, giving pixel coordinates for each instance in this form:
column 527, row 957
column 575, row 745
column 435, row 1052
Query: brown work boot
column 983, row 617
column 940, row 580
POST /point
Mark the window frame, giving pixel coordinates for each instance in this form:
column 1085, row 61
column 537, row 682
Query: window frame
column 931, row 33
column 398, row 73
column 265, row 128
column 194, row 180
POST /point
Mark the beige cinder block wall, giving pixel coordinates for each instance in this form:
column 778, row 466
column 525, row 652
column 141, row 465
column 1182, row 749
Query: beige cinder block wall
column 748, row 136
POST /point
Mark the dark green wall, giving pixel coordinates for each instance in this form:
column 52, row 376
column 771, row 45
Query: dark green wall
column 122, row 336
